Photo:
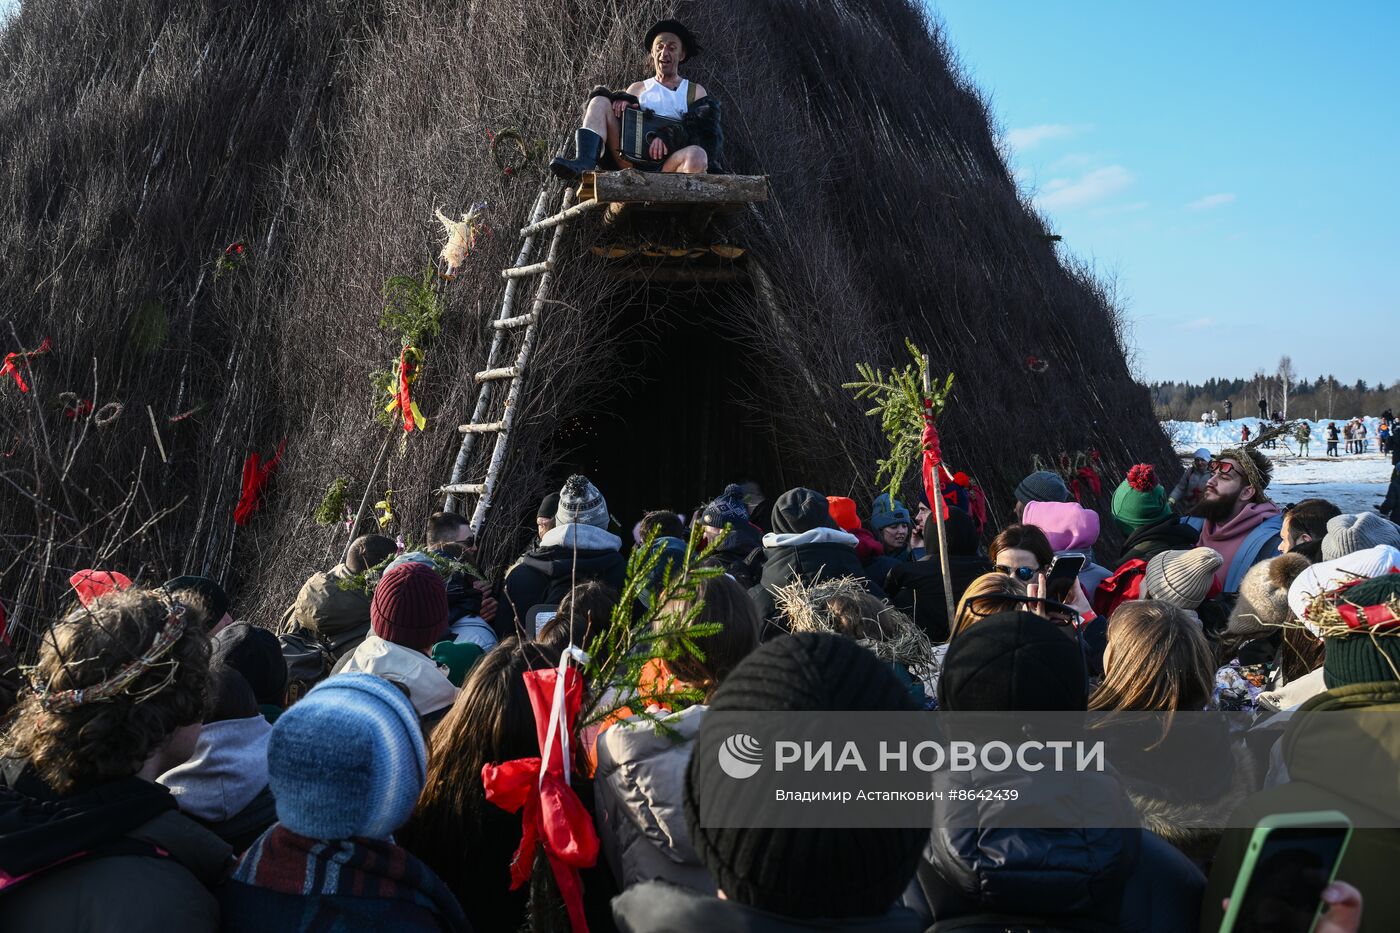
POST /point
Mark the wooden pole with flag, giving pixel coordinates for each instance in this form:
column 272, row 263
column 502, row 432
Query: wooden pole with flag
column 931, row 452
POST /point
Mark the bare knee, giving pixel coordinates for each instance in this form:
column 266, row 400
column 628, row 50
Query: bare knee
column 692, row 160
column 599, row 107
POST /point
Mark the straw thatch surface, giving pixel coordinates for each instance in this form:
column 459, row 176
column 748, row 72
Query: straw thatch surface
column 139, row 139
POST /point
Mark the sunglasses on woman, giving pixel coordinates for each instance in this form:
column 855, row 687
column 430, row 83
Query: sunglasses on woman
column 1024, row 574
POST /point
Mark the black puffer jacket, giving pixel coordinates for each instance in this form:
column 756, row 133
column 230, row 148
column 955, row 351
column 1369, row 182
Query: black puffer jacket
column 657, row 907
column 567, row 555
column 1057, row 879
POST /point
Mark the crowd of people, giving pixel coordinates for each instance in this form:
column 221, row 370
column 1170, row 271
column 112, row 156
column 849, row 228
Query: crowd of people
column 400, row 751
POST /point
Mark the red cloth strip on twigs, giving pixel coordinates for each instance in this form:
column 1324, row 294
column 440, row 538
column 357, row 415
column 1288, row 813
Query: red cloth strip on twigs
column 551, row 814
column 255, row 477
column 12, row 360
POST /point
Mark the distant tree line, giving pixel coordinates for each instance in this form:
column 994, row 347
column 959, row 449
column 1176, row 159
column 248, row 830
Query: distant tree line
column 1325, row 397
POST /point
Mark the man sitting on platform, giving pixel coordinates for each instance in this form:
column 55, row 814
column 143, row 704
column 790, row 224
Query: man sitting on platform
column 689, row 139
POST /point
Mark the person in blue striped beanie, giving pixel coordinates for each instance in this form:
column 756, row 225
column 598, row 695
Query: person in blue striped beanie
column 346, row 765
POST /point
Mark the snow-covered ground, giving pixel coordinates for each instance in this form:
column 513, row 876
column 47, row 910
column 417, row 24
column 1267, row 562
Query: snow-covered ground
column 1355, row 482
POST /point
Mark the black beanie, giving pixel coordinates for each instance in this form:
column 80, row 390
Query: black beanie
column 830, row 872
column 233, row 697
column 799, row 510
column 549, row 506
column 257, row 655
column 1013, row 661
column 213, row 595
column 960, row 529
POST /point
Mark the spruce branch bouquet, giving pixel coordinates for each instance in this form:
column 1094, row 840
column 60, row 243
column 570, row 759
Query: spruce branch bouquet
column 899, row 400
column 620, row 654
column 412, row 308
column 332, row 508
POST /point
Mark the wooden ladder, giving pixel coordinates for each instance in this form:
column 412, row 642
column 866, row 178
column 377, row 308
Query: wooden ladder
column 498, row 399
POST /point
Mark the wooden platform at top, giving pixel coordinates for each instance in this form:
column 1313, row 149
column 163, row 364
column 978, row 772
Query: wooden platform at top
column 664, row 189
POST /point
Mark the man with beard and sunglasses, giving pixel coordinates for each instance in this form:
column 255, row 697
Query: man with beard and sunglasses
column 1241, row 524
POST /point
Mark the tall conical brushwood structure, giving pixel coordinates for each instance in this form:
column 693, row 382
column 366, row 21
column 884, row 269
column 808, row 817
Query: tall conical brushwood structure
column 203, row 202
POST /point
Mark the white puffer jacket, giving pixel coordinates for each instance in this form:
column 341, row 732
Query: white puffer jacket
column 639, row 787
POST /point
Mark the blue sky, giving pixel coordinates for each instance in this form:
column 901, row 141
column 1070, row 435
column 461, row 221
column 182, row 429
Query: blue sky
column 1235, row 166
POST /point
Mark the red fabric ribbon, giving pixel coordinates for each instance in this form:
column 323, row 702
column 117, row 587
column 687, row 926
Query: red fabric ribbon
column 255, row 477
column 1375, row 617
column 11, row 367
column 933, row 459
column 79, row 409
column 550, row 812
column 406, row 368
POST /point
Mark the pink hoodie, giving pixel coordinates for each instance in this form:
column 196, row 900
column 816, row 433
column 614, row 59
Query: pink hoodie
column 1227, row 537
column 1068, row 525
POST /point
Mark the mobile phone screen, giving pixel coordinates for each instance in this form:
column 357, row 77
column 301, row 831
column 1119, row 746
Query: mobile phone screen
column 1286, row 885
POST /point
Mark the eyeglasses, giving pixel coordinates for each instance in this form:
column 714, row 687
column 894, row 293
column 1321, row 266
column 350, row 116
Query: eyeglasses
column 1223, row 467
column 1024, row 574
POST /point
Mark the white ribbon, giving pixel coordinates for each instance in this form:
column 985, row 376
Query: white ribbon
column 556, row 712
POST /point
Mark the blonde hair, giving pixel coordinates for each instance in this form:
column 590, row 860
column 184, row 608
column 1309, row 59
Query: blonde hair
column 981, row 600
column 1157, row 660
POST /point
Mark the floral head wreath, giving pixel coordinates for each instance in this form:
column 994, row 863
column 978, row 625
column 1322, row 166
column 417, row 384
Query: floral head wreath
column 117, row 684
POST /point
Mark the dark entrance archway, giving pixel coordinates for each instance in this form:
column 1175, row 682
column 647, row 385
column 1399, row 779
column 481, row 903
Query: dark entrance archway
column 687, row 414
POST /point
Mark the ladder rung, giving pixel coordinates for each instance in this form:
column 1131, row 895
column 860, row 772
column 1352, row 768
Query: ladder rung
column 520, row 272
column 464, row 489
column 489, row 428
column 504, row 372
column 520, row 320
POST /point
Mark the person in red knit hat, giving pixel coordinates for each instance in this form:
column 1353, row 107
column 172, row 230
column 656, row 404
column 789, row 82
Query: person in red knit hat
column 407, row 615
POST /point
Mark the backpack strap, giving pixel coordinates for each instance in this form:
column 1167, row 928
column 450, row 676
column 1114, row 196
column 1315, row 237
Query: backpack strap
column 1268, row 533
column 689, row 94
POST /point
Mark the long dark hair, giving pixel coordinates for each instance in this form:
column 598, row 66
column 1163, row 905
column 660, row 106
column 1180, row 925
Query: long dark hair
column 490, row 722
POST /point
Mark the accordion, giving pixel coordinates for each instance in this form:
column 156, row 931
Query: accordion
column 639, row 128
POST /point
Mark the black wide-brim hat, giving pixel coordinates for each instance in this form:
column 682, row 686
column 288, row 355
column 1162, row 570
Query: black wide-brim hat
column 677, row 29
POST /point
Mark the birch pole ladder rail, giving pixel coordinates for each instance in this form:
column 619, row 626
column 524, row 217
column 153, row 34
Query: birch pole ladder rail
column 507, row 363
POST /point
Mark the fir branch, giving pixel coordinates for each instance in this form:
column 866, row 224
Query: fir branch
column 619, row 654
column 412, row 308
column 898, row 399
column 332, row 508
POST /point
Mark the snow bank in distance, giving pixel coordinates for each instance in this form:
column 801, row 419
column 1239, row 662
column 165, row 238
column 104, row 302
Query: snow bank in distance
column 1187, row 436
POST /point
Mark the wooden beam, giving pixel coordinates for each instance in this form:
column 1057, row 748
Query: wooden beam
column 633, row 187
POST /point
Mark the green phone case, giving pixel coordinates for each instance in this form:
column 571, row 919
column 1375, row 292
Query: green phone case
column 1316, row 819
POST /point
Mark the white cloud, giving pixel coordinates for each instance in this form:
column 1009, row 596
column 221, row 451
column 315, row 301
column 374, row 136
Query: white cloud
column 1211, row 201
column 1073, row 161
column 1200, row 323
column 1028, row 137
column 1088, row 188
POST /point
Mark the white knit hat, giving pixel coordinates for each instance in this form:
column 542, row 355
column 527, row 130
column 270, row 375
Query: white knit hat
column 1181, row 578
column 1330, row 574
column 1347, row 534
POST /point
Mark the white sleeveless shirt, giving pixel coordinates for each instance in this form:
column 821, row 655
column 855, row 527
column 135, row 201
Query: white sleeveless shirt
column 665, row 102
